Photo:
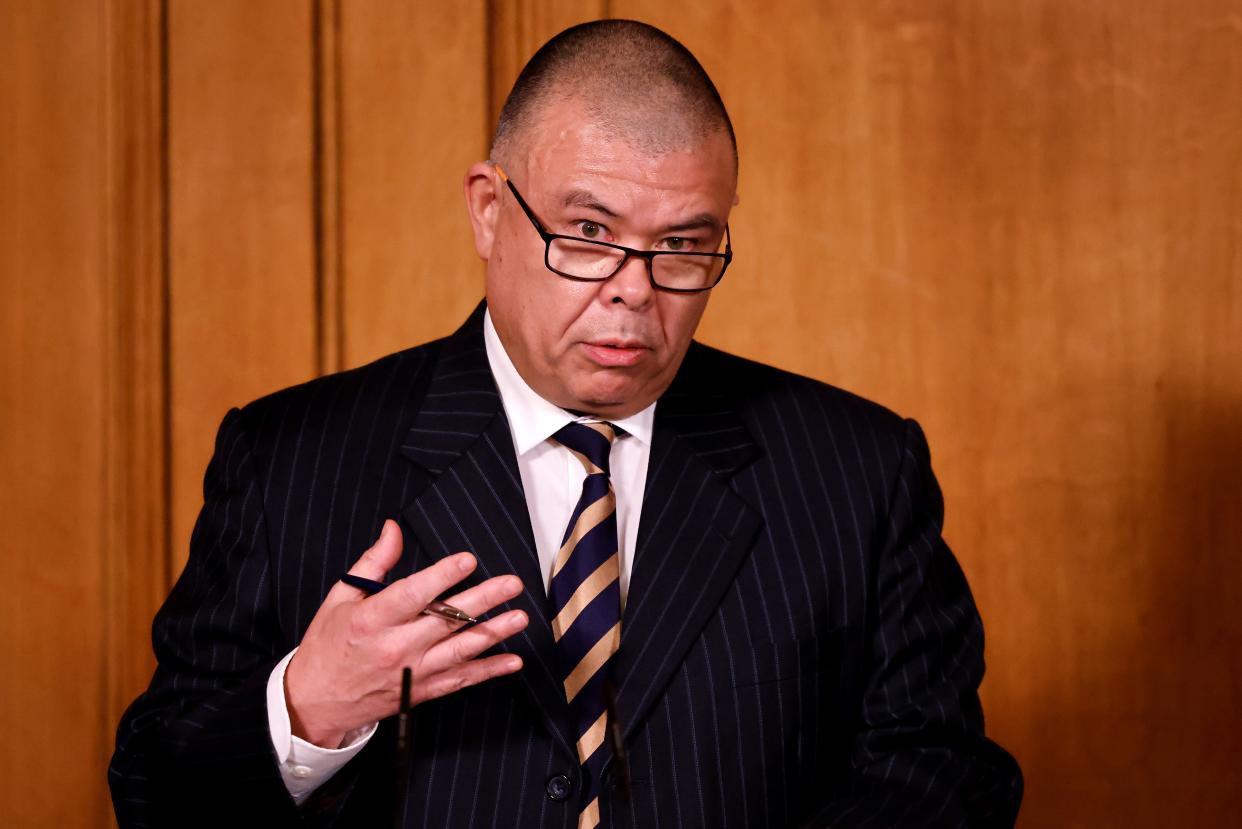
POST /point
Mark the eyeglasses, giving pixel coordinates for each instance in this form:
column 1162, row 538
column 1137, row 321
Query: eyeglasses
column 587, row 260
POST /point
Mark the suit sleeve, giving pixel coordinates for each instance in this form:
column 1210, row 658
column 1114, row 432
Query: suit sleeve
column 920, row 757
column 195, row 748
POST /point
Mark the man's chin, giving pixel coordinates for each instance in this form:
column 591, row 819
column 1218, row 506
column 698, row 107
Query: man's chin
column 611, row 401
column 606, row 407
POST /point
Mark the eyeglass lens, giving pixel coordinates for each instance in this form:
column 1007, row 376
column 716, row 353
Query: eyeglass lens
column 585, row 260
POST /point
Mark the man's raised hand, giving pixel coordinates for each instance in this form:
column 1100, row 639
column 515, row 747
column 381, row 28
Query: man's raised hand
column 347, row 671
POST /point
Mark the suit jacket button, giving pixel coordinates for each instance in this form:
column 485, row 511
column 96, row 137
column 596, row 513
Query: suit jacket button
column 559, row 786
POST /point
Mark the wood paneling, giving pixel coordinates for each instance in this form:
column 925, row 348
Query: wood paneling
column 327, row 186
column 135, row 533
column 83, row 423
column 412, row 81
column 52, row 411
column 1019, row 223
column 242, row 220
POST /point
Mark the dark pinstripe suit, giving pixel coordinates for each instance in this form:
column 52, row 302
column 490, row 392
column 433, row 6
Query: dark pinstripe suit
column 799, row 646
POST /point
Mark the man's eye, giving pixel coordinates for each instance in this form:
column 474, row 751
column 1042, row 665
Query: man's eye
column 678, row 243
column 590, row 230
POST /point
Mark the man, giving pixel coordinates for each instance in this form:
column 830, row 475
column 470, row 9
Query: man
column 714, row 594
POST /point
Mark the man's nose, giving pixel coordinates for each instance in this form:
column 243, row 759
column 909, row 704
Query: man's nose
column 630, row 286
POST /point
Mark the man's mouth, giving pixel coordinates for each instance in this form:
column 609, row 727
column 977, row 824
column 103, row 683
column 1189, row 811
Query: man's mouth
column 614, row 353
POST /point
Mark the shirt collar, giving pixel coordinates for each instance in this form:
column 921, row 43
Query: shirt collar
column 533, row 419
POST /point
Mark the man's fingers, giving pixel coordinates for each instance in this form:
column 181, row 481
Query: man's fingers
column 467, row 644
column 407, row 597
column 467, row 674
column 483, row 597
column 475, row 601
column 375, row 562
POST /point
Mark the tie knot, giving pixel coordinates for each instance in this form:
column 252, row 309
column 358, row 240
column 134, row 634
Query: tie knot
column 591, row 442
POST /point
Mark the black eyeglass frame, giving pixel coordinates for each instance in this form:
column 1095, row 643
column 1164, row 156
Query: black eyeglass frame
column 646, row 255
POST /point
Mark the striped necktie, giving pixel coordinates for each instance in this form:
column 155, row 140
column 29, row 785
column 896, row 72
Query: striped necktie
column 586, row 601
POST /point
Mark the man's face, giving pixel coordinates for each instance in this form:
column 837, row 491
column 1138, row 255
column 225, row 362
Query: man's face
column 612, row 347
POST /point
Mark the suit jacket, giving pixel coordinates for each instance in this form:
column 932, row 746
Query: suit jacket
column 799, row 646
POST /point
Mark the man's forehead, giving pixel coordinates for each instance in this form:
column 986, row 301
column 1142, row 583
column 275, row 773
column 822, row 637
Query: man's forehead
column 679, row 203
column 573, row 137
column 582, row 166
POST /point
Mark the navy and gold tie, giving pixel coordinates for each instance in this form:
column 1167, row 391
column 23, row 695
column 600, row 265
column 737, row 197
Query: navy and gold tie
column 586, row 603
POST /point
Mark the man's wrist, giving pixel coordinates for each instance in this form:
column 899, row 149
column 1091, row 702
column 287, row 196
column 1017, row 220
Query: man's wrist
column 300, row 725
column 305, row 766
column 320, row 738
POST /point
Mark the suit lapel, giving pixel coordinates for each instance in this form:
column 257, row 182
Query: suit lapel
column 693, row 536
column 694, row 532
column 472, row 499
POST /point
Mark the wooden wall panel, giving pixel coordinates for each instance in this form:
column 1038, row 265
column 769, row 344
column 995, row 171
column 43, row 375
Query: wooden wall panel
column 412, row 108
column 243, row 292
column 52, row 312
column 1018, row 222
column 135, row 487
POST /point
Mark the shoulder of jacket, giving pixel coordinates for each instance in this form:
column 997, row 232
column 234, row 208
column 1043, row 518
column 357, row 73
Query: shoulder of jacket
column 756, row 385
column 400, row 370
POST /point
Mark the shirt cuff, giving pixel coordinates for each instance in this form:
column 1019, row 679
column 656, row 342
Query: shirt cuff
column 304, row 766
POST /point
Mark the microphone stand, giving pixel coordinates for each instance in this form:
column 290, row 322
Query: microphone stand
column 402, row 764
column 621, row 764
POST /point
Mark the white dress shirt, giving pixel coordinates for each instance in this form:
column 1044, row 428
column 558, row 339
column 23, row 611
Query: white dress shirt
column 552, row 482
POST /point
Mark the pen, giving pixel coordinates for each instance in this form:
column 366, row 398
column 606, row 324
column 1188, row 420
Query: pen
column 444, row 611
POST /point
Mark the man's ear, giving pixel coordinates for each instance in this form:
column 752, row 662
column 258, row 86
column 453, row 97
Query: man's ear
column 483, row 204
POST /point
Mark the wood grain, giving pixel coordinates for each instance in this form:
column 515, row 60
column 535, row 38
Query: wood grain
column 327, row 185
column 1019, row 223
column 136, row 567
column 52, row 411
column 413, row 98
column 243, row 310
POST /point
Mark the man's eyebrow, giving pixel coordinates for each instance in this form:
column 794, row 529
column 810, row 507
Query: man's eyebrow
column 584, row 198
column 703, row 220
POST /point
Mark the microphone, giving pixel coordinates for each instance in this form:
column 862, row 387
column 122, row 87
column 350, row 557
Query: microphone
column 621, row 763
column 402, row 764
